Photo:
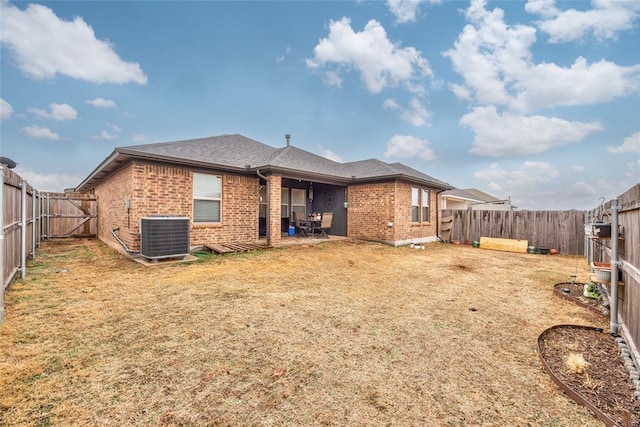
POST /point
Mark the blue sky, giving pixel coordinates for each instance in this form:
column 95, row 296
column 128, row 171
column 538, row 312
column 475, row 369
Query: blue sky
column 537, row 101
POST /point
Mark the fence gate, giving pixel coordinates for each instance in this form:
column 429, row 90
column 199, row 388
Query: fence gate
column 69, row 215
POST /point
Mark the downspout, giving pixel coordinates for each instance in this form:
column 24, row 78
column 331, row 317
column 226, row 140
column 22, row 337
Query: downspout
column 614, row 268
column 268, row 210
column 438, row 217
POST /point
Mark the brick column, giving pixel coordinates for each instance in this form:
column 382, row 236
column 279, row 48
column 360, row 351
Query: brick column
column 275, row 193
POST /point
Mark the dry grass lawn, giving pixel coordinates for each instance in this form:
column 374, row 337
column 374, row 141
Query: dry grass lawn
column 340, row 333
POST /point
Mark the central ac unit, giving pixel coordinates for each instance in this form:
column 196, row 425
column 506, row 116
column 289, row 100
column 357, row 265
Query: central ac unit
column 164, row 237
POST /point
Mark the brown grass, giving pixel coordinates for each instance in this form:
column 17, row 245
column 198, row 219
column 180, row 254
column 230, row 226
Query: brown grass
column 341, row 333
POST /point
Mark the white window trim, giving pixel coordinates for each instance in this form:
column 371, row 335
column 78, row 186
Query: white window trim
column 422, row 205
column 219, row 199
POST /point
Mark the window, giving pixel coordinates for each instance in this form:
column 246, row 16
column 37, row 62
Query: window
column 207, row 198
column 284, row 203
column 425, row 205
column 415, row 204
column 299, row 202
column 420, row 205
column 262, row 213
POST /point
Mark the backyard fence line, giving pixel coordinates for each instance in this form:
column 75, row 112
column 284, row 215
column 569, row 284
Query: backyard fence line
column 628, row 208
column 562, row 230
column 19, row 218
column 27, row 216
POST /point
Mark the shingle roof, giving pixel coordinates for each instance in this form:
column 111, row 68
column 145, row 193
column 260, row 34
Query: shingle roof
column 242, row 154
column 470, row 194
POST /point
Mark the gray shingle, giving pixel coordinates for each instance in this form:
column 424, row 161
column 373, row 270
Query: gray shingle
column 237, row 152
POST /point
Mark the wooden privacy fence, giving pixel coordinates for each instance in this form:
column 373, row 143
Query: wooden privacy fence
column 628, row 259
column 28, row 216
column 563, row 230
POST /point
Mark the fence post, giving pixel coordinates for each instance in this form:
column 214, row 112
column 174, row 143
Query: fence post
column 23, row 229
column 33, row 223
column 48, row 216
column 2, row 278
column 614, row 268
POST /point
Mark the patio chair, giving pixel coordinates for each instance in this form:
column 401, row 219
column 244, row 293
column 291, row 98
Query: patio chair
column 325, row 224
column 302, row 227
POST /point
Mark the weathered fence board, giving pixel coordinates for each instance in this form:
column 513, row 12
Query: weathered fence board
column 629, row 252
column 70, row 215
column 28, row 216
column 563, row 230
column 11, row 224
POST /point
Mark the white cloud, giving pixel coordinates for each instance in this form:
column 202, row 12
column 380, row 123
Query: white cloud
column 548, row 85
column 497, row 66
column 40, row 132
column 633, row 170
column 139, row 137
column 417, row 114
column 578, row 168
column 528, row 174
column 43, row 45
column 56, row 182
column 515, row 135
column 56, row 112
column 6, row 110
column 329, row 154
column 406, row 10
column 538, row 185
column 390, row 104
column 332, row 78
column 106, row 135
column 407, row 146
column 114, row 128
column 631, row 144
column 101, row 103
column 605, row 20
column 282, row 57
column 380, row 62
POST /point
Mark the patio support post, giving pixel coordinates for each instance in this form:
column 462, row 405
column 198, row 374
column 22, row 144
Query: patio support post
column 614, row 268
column 274, row 208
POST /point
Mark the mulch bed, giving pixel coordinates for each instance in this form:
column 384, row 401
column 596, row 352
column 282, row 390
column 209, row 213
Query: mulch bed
column 576, row 295
column 604, row 383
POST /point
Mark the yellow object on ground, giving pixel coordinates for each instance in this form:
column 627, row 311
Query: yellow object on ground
column 508, row 245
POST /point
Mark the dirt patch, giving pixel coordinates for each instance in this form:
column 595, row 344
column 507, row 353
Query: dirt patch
column 588, row 362
column 339, row 333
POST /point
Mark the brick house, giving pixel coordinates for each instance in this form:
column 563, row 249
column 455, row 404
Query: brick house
column 235, row 189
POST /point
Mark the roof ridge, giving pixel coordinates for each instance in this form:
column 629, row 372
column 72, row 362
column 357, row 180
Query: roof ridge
column 179, row 141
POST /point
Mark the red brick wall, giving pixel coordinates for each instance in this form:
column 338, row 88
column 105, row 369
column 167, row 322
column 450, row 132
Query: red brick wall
column 275, row 198
column 406, row 230
column 240, row 203
column 111, row 208
column 373, row 206
column 167, row 190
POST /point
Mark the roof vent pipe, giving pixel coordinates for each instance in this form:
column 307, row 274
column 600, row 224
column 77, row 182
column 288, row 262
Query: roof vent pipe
column 287, row 137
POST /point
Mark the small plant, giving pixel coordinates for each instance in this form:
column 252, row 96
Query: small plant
column 575, row 363
column 591, row 291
